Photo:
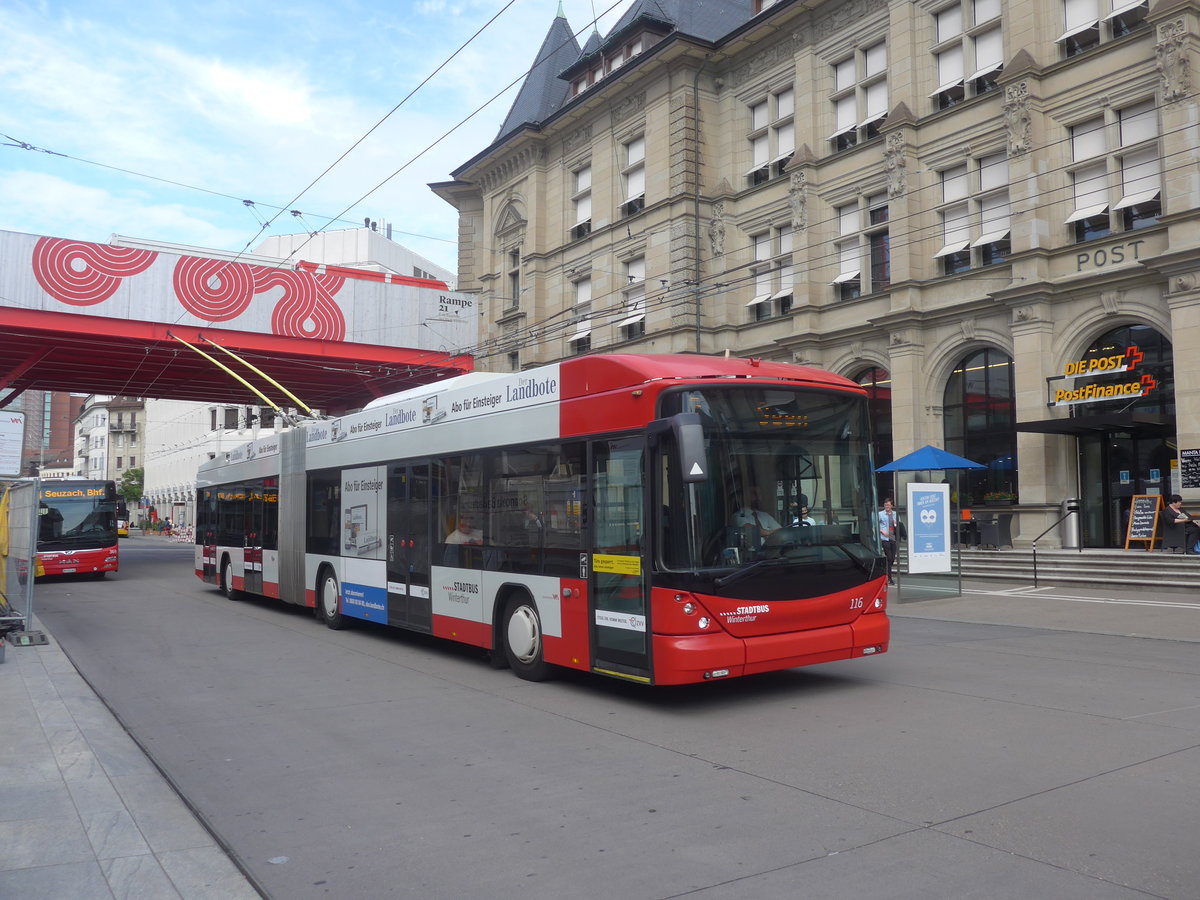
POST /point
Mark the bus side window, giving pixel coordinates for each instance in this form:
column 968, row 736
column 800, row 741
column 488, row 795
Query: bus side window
column 324, row 508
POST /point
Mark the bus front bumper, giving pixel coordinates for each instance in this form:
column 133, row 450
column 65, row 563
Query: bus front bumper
column 688, row 659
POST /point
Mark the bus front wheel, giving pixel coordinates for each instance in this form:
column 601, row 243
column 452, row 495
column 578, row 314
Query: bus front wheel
column 523, row 640
column 329, row 602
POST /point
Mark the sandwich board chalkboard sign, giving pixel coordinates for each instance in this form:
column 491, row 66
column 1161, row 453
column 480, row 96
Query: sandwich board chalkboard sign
column 1143, row 520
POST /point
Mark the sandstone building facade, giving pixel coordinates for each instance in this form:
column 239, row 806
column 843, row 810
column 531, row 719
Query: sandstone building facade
column 986, row 210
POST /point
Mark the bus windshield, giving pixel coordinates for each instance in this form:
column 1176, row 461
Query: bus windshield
column 67, row 522
column 789, row 481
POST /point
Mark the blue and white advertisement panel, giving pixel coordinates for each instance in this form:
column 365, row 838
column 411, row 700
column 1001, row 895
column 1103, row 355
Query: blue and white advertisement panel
column 928, row 527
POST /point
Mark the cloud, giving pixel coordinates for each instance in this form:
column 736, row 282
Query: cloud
column 93, row 213
column 254, row 101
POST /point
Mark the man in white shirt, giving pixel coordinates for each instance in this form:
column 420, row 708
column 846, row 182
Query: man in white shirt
column 756, row 521
column 887, row 534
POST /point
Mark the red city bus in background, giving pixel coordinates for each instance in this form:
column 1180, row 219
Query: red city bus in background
column 633, row 516
column 77, row 527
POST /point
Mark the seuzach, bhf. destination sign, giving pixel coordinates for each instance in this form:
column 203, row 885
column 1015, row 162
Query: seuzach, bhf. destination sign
column 1072, row 393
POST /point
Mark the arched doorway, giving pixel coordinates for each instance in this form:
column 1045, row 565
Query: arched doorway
column 978, row 423
column 1125, row 444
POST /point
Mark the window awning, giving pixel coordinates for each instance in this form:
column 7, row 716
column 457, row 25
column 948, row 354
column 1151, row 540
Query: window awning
column 1126, row 7
column 986, row 70
column 1087, row 212
column 844, row 130
column 847, row 276
column 1136, row 199
column 782, row 156
column 757, row 168
column 951, row 249
column 779, row 295
column 1078, row 29
column 957, row 82
column 632, row 320
column 992, row 237
column 584, row 329
column 762, row 298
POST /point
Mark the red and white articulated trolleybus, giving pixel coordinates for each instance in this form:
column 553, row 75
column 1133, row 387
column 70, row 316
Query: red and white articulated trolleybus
column 77, row 527
column 634, row 516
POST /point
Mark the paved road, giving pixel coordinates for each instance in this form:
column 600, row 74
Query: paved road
column 973, row 760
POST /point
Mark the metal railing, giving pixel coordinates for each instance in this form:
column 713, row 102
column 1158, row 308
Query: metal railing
column 1061, row 519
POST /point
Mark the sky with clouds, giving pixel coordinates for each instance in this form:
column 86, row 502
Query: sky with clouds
column 158, row 120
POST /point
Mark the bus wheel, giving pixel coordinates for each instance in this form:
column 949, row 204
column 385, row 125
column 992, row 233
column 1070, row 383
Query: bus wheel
column 523, row 640
column 227, row 579
column 329, row 602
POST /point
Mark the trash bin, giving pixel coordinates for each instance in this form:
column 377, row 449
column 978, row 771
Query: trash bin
column 1071, row 525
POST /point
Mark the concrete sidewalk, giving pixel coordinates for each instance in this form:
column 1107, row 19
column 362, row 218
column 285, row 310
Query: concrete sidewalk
column 83, row 813
column 1139, row 610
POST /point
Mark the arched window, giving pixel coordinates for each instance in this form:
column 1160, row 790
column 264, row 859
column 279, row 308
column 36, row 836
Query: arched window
column 979, row 406
column 878, row 383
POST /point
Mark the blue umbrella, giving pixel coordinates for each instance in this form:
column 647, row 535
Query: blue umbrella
column 927, row 459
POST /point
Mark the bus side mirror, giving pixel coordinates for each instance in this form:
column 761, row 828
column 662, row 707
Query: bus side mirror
column 689, row 444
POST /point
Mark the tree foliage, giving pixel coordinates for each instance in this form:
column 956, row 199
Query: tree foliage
column 131, row 486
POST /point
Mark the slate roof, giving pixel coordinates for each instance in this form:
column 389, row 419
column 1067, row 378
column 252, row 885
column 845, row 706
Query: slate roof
column 544, row 91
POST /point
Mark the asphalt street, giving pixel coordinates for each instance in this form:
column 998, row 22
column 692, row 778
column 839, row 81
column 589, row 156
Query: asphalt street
column 1012, row 744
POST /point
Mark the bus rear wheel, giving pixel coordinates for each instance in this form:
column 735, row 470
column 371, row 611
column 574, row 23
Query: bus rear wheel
column 226, row 582
column 523, row 644
column 329, row 602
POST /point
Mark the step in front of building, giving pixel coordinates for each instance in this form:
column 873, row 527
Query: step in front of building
column 1130, row 567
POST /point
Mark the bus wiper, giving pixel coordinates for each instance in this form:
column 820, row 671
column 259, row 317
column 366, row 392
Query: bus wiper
column 739, row 574
column 854, row 559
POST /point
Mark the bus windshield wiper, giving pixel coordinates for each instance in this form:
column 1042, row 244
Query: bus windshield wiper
column 739, row 574
column 854, row 559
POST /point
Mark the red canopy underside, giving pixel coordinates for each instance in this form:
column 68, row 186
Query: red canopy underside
column 95, row 355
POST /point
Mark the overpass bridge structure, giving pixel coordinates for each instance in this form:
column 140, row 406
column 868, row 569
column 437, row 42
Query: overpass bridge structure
column 129, row 317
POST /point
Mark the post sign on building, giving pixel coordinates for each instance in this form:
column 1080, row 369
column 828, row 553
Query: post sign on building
column 1100, row 378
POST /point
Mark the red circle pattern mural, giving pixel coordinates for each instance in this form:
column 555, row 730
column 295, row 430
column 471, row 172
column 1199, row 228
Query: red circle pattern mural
column 212, row 289
column 85, row 274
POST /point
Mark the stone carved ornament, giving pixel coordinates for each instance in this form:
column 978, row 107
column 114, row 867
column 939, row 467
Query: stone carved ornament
column 716, row 230
column 1017, row 122
column 798, row 200
column 1170, row 57
column 896, row 166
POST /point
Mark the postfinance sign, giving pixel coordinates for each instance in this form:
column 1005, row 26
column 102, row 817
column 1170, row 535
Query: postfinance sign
column 1115, row 364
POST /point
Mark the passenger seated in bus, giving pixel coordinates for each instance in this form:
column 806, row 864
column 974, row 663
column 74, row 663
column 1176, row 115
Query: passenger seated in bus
column 466, row 532
column 801, row 516
column 754, row 521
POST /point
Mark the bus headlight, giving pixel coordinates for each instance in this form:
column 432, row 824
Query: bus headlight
column 689, row 608
column 703, row 623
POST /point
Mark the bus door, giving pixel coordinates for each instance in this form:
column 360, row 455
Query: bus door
column 408, row 548
column 619, row 597
column 253, row 555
